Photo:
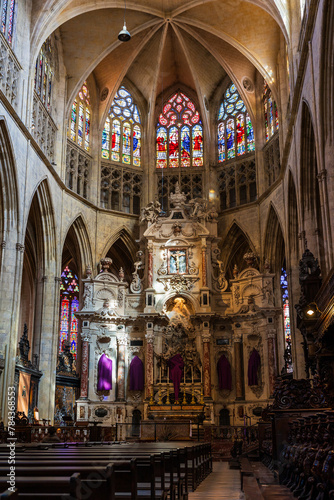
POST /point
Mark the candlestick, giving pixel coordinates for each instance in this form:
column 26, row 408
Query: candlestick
column 192, row 374
column 167, row 400
column 167, row 374
column 160, row 400
column 160, row 370
column 193, row 396
column 184, row 395
column 151, row 398
column 184, row 374
column 201, row 374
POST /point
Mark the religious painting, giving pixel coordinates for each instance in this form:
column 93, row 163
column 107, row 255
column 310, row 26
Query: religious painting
column 24, row 391
column 177, row 261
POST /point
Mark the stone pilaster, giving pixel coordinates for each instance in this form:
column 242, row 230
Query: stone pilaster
column 238, row 361
column 150, row 266
column 122, row 343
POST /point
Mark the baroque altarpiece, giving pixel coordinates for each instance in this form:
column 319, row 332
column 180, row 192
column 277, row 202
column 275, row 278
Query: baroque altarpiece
column 180, row 341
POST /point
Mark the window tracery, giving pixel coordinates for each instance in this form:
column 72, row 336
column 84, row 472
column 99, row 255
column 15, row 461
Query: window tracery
column 121, row 189
column 44, row 74
column 271, row 123
column 237, row 184
column 69, row 304
column 235, row 129
column 8, row 14
column 122, row 134
column 179, row 136
column 80, row 119
column 191, row 184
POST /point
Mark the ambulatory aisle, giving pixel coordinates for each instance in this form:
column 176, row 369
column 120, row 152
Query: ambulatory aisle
column 221, row 484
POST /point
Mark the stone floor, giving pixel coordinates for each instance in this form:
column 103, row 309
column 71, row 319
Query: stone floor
column 222, row 483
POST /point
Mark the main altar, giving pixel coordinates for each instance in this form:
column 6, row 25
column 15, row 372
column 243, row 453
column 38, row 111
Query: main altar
column 172, row 344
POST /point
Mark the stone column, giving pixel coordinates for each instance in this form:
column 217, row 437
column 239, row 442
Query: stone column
column 122, row 343
column 149, row 359
column 238, row 360
column 204, row 268
column 272, row 359
column 150, row 266
column 84, row 368
column 206, row 337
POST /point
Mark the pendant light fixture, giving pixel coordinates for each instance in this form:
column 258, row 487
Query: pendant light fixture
column 124, row 35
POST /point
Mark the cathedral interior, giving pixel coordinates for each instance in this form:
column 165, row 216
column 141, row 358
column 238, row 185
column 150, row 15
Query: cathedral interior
column 166, row 175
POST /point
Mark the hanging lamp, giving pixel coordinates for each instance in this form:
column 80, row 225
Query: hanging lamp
column 124, row 35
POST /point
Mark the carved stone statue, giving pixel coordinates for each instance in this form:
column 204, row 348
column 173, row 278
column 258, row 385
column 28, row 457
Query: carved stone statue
column 136, row 285
column 151, row 212
column 178, row 199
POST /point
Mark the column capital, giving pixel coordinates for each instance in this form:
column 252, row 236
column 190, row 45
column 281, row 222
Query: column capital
column 237, row 339
column 206, row 336
column 19, row 247
column 149, row 336
column 271, row 334
column 86, row 337
column 123, row 340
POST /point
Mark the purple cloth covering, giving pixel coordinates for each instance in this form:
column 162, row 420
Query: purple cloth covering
column 253, row 366
column 175, row 373
column 104, row 377
column 224, row 373
column 136, row 374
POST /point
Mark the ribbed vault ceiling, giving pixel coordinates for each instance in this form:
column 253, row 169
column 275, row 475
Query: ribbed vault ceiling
column 180, row 43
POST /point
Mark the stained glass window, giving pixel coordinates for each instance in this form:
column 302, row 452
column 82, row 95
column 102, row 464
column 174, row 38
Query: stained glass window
column 44, row 74
column 286, row 320
column 7, row 19
column 80, row 119
column 69, row 304
column 126, row 124
column 235, row 129
column 106, row 140
column 271, row 124
column 181, row 123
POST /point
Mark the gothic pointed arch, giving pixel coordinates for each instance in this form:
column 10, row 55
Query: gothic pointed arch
column 9, row 198
column 234, row 247
column 274, row 245
column 310, row 193
column 121, row 248
column 40, row 245
column 79, row 241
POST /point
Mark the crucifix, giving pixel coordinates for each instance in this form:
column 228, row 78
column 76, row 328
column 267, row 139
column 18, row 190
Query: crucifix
column 177, row 261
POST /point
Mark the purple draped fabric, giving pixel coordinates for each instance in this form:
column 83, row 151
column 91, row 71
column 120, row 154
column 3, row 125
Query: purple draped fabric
column 136, row 374
column 104, row 376
column 224, row 373
column 175, row 373
column 253, row 366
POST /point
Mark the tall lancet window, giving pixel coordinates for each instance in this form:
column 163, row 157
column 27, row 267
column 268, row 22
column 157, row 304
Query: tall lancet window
column 69, row 304
column 271, row 124
column 179, row 139
column 8, row 14
column 122, row 133
column 80, row 118
column 235, row 129
column 286, row 321
column 44, row 74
